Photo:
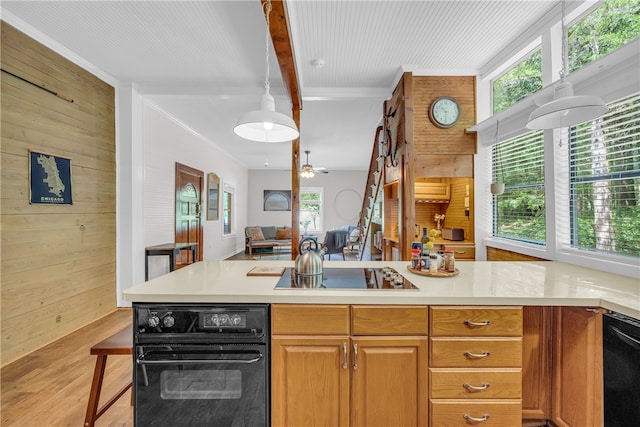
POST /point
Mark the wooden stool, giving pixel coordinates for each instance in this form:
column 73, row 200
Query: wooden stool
column 120, row 343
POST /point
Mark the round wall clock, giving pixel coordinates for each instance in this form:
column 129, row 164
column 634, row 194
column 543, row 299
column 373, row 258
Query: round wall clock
column 444, row 112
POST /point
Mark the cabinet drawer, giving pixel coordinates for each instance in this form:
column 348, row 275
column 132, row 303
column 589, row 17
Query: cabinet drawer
column 309, row 319
column 455, row 413
column 389, row 320
column 475, row 352
column 475, row 321
column 475, row 383
column 462, row 252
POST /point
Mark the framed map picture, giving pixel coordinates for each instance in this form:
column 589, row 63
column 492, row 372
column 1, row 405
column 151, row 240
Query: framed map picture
column 49, row 179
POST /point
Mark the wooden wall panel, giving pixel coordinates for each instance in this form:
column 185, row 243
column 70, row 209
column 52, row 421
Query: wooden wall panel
column 443, row 165
column 495, row 254
column 58, row 261
column 430, row 139
column 455, row 213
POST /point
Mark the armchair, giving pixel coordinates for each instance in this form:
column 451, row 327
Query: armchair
column 335, row 241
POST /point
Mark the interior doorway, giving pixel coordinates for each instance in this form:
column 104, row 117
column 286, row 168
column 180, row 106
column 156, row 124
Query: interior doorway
column 189, row 184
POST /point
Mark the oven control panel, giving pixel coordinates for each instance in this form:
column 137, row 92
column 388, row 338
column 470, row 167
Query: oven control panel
column 209, row 320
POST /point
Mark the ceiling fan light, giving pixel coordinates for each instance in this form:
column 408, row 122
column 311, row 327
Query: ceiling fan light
column 307, row 172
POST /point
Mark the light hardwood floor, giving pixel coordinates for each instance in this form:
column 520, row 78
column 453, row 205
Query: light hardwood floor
column 50, row 387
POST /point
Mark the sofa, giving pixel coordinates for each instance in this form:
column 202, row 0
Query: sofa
column 261, row 239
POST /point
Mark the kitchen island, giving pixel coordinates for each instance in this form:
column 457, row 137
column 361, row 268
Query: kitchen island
column 454, row 350
column 479, row 283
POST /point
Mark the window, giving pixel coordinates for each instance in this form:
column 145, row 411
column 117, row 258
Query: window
column 520, row 81
column 311, row 208
column 227, row 210
column 604, row 181
column 519, row 213
column 613, row 24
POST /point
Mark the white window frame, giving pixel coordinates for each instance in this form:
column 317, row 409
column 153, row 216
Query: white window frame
column 611, row 77
column 228, row 189
column 320, row 225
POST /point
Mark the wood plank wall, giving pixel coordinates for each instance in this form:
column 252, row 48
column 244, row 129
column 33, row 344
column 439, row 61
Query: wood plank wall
column 58, row 261
column 443, row 152
column 494, row 254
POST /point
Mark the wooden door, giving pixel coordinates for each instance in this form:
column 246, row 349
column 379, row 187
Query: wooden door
column 189, row 184
column 577, row 385
column 390, row 381
column 310, row 381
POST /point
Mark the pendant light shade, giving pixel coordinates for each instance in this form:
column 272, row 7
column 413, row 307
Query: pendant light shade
column 566, row 109
column 266, row 124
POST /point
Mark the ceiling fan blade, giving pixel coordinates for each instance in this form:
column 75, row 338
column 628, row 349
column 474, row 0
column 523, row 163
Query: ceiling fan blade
column 320, row 169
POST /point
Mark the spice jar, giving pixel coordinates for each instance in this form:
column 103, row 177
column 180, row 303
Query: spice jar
column 433, row 263
column 449, row 262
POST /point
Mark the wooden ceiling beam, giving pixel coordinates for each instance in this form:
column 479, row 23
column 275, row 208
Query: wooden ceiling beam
column 281, row 38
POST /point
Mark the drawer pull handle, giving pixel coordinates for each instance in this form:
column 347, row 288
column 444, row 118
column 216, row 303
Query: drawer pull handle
column 484, row 418
column 344, row 355
column 355, row 357
column 469, row 323
column 476, row 355
column 475, row 387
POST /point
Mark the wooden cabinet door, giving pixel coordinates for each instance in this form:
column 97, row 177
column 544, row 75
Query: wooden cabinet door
column 389, row 381
column 536, row 362
column 310, row 381
column 576, row 390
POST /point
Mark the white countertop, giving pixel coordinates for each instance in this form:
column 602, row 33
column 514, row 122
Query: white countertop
column 479, row 283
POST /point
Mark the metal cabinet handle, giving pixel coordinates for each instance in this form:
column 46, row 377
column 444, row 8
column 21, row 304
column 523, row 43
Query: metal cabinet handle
column 475, row 387
column 470, row 323
column 344, row 355
column 484, row 418
column 476, row 355
column 355, row 357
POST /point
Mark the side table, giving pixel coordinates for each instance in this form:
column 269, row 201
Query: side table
column 167, row 249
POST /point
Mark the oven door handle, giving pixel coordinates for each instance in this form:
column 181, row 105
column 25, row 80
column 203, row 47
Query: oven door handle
column 141, row 361
column 626, row 338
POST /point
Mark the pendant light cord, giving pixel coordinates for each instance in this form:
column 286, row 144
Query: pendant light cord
column 267, row 12
column 563, row 61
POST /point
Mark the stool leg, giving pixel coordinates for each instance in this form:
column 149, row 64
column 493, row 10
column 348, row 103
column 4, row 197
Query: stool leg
column 96, row 387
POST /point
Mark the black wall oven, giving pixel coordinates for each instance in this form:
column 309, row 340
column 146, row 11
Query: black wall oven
column 198, row 365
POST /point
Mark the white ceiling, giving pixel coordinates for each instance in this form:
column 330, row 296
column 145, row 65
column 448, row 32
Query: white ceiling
column 203, row 62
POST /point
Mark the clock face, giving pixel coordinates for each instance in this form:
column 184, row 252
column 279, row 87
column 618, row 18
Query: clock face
column 444, row 112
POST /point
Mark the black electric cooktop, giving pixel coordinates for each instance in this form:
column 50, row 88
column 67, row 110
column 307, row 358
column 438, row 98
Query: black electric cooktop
column 351, row 279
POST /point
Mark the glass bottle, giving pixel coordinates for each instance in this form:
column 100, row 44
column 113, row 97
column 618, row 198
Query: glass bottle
column 424, row 240
column 449, row 262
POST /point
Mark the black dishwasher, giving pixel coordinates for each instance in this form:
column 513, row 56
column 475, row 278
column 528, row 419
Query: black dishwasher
column 621, row 360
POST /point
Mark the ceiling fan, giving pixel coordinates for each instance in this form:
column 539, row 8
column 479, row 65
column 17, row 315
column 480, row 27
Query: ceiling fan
column 307, row 170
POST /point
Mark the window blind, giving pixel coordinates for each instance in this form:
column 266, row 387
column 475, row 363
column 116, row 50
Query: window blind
column 519, row 213
column 604, row 181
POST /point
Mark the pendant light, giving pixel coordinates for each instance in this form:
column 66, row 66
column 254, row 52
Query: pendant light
column 566, row 109
column 266, row 124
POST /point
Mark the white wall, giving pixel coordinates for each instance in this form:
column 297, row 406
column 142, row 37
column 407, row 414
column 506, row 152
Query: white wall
column 166, row 142
column 343, row 192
